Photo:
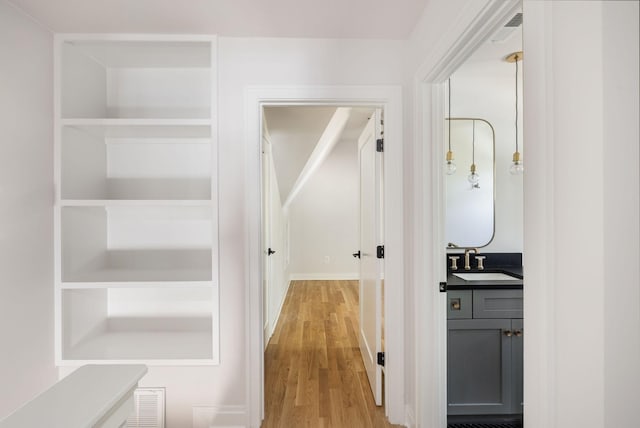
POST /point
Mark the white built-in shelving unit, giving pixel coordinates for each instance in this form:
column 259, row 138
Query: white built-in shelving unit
column 136, row 257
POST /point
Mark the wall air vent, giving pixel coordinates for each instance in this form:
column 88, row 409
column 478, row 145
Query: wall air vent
column 516, row 21
column 507, row 29
column 149, row 408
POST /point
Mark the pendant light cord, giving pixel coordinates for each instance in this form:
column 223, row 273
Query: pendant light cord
column 449, row 88
column 473, row 142
column 516, row 61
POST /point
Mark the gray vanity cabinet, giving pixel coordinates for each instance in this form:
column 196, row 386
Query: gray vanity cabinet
column 517, row 362
column 484, row 355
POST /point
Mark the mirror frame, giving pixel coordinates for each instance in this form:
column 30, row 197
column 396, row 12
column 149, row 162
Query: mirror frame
column 493, row 231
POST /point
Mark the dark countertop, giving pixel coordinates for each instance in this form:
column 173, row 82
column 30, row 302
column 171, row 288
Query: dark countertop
column 455, row 283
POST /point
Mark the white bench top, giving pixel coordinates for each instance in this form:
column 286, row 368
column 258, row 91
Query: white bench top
column 79, row 400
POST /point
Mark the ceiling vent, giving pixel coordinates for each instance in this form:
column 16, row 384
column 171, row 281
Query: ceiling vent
column 149, row 409
column 507, row 29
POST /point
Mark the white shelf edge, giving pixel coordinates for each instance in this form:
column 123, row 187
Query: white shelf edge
column 67, row 285
column 135, row 202
column 151, row 362
column 134, row 37
column 134, row 122
column 157, row 140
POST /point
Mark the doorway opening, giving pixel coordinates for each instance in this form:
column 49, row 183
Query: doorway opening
column 321, row 201
column 484, row 234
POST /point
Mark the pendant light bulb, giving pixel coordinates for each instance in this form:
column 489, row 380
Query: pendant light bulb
column 451, row 165
column 474, row 177
column 516, row 166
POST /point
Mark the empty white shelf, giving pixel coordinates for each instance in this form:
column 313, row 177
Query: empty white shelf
column 138, row 323
column 141, row 265
column 143, row 345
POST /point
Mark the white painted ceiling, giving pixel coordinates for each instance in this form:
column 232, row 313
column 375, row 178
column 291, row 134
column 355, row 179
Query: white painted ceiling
column 294, row 132
column 381, row 19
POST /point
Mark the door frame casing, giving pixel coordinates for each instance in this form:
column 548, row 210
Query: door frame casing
column 389, row 98
column 477, row 22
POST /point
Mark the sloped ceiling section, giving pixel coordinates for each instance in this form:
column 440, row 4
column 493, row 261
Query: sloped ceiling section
column 378, row 19
column 294, row 132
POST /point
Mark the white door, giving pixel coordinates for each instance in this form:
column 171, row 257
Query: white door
column 371, row 267
column 266, row 236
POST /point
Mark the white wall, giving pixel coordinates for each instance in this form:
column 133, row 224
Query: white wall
column 582, row 302
column 324, row 219
column 621, row 140
column 26, row 209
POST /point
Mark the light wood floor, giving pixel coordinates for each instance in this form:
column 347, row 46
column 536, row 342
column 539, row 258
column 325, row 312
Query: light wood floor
column 314, row 375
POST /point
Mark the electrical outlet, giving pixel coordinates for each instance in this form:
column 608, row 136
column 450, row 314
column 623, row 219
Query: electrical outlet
column 327, row 260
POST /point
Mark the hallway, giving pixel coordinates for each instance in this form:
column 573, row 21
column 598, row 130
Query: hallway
column 314, row 375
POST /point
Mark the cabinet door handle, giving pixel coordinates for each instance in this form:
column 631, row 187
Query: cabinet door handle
column 518, row 333
column 508, row 333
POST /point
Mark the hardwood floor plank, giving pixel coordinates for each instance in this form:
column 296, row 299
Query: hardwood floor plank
column 314, row 374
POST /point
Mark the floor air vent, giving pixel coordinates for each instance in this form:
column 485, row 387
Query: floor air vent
column 485, row 425
column 149, row 409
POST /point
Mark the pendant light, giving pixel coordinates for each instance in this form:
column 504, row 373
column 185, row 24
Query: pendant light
column 516, row 167
column 451, row 165
column 473, row 177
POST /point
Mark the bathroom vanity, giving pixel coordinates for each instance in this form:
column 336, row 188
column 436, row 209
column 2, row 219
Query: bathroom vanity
column 485, row 338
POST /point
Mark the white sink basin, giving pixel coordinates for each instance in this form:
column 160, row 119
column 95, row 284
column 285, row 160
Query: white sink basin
column 485, row 276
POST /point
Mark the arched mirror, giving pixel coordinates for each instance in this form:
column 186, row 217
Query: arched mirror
column 470, row 215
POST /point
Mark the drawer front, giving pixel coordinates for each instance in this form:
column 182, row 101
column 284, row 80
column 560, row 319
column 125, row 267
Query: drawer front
column 459, row 304
column 497, row 304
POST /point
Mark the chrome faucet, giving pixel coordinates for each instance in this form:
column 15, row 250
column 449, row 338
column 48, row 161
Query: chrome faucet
column 467, row 251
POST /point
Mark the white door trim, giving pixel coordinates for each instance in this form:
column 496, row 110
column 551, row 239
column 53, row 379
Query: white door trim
column 477, row 22
column 390, row 99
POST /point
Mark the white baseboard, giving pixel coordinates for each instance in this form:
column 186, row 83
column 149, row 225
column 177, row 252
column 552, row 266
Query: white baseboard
column 345, row 276
column 219, row 416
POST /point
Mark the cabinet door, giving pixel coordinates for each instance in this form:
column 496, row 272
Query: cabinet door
column 517, row 364
column 479, row 367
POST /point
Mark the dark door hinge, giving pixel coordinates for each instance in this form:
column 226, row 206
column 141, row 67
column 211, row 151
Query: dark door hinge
column 443, row 287
column 380, row 251
column 380, row 145
column 381, row 359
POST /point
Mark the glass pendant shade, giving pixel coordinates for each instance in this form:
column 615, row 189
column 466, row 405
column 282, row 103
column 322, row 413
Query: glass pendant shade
column 516, row 166
column 474, row 177
column 451, row 167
